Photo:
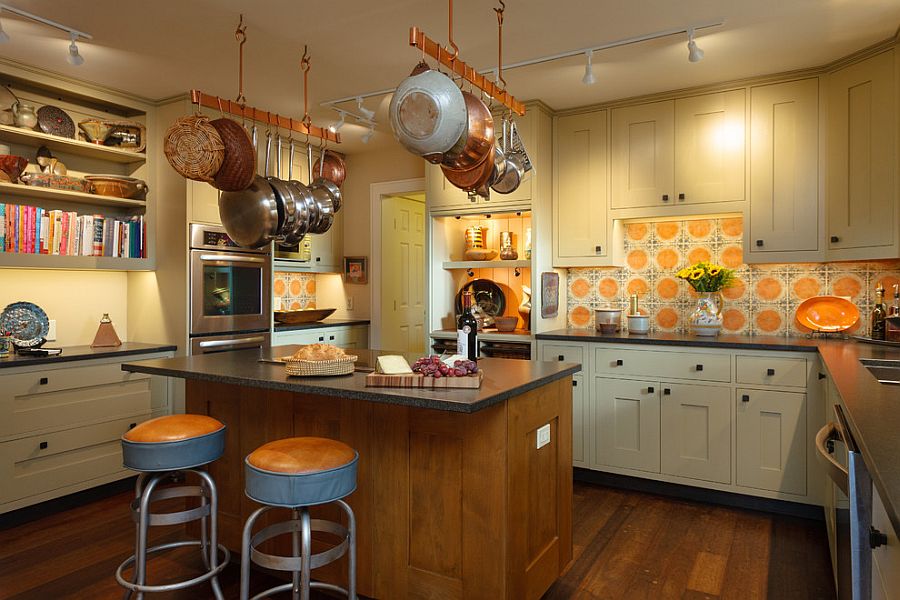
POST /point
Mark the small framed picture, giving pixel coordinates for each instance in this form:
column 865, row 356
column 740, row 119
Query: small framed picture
column 356, row 269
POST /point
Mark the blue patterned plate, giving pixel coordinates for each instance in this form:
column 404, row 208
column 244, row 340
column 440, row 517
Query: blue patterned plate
column 26, row 322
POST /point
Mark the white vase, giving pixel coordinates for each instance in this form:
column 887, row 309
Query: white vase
column 525, row 306
column 706, row 320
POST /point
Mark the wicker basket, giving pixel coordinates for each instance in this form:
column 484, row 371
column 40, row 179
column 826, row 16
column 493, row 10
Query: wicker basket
column 239, row 166
column 194, row 148
column 320, row 368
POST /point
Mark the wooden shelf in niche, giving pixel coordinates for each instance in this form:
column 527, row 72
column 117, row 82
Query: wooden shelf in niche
column 80, row 263
column 10, row 191
column 487, row 264
column 28, row 137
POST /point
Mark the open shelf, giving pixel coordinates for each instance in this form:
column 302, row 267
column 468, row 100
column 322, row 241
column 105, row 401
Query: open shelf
column 519, row 335
column 85, row 263
column 11, row 191
column 486, row 264
column 19, row 135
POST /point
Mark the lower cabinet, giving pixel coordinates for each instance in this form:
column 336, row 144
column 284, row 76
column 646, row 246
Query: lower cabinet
column 771, row 440
column 580, row 447
column 695, row 432
column 342, row 336
column 626, row 419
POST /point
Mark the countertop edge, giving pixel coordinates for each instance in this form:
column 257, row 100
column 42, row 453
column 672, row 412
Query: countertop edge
column 112, row 352
column 710, row 342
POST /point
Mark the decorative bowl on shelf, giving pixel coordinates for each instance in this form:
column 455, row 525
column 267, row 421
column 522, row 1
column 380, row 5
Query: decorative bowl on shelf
column 480, row 254
column 95, row 130
column 116, row 186
column 13, row 166
column 506, row 324
column 126, row 135
column 309, row 315
column 56, row 182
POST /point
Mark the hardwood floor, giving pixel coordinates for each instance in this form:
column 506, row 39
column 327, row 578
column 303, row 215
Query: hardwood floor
column 627, row 545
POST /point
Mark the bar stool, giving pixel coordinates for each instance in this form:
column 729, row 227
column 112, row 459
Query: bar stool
column 298, row 473
column 163, row 449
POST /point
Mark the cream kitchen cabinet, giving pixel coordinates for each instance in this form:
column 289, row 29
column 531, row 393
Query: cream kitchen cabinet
column 580, row 413
column 862, row 132
column 582, row 230
column 626, row 417
column 886, row 558
column 203, row 201
column 327, row 249
column 352, row 336
column 785, row 219
column 695, row 431
column 684, row 152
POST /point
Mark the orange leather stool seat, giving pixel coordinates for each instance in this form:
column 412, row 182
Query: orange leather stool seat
column 172, row 428
column 301, row 455
column 173, row 442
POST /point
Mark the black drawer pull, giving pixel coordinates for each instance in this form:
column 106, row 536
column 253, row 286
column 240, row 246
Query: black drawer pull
column 835, row 239
column 574, row 383
column 681, row 196
column 619, row 362
column 699, row 367
column 318, row 259
column 598, row 249
column 876, row 538
column 651, row 389
column 759, row 243
column 770, row 372
column 745, row 398
column 322, row 338
column 561, row 357
column 44, row 381
column 42, row 445
column 665, row 197
column 822, row 376
column 330, row 337
column 667, row 392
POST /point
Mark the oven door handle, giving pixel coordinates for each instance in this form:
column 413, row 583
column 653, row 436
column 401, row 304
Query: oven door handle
column 233, row 342
column 835, row 470
column 230, row 258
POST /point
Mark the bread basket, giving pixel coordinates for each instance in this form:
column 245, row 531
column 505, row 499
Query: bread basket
column 319, row 368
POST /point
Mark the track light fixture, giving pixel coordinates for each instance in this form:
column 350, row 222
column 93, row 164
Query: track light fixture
column 4, row 37
column 368, row 114
column 589, row 78
column 368, row 135
column 335, row 127
column 695, row 54
column 74, row 57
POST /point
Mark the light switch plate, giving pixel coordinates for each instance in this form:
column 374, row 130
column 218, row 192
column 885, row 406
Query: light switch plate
column 543, row 436
column 51, row 333
column 349, row 302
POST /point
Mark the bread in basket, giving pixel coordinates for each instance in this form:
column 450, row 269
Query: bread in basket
column 319, row 360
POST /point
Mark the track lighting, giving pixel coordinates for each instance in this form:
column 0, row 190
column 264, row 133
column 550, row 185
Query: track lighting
column 368, row 114
column 4, row 37
column 588, row 78
column 335, row 127
column 695, row 54
column 74, row 57
column 368, row 135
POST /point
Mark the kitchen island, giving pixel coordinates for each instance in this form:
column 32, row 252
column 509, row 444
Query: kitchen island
column 456, row 497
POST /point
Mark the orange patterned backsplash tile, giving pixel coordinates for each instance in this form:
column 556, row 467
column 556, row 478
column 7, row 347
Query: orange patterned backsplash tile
column 762, row 301
column 293, row 291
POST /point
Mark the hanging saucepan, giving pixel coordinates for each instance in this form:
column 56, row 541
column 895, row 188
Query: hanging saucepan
column 478, row 179
column 321, row 199
column 475, row 144
column 517, row 163
column 284, row 194
column 333, row 189
column 251, row 216
column 331, row 167
column 428, row 114
column 303, row 202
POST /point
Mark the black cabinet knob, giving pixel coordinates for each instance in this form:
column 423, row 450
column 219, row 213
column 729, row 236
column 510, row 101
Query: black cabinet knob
column 44, row 381
column 745, row 398
column 318, row 259
column 770, row 372
column 699, row 367
column 619, row 362
column 322, row 338
column 835, row 239
column 759, row 243
column 598, row 249
column 681, row 196
column 651, row 389
column 821, row 376
column 667, row 392
column 330, row 337
column 876, row 538
column 665, row 197
column 561, row 358
column 42, row 445
column 574, row 383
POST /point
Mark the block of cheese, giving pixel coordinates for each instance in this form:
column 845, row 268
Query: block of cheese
column 392, row 364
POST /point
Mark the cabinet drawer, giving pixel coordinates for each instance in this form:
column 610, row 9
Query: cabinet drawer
column 60, row 397
column 562, row 353
column 662, row 364
column 766, row 370
column 66, row 458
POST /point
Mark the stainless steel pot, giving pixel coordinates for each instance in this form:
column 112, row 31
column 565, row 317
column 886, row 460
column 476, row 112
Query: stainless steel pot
column 428, row 114
column 516, row 163
column 253, row 217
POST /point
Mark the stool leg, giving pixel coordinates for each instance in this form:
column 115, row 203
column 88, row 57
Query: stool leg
column 351, row 559
column 306, row 542
column 138, row 489
column 245, row 552
column 213, row 534
column 140, row 557
column 295, row 547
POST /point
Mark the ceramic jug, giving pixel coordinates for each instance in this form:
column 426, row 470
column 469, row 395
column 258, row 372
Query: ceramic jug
column 24, row 115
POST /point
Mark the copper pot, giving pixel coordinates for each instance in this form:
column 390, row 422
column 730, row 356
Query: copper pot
column 331, row 168
column 479, row 178
column 474, row 146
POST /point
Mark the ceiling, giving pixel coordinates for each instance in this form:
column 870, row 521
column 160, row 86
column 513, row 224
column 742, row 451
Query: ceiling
column 161, row 49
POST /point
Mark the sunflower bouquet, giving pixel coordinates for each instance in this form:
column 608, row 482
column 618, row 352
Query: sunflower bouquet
column 707, row 277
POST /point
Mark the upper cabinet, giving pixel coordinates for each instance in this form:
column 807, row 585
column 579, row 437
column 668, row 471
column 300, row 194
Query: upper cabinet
column 688, row 151
column 784, row 211
column 862, row 160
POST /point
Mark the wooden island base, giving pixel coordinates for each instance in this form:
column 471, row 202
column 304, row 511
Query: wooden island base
column 449, row 504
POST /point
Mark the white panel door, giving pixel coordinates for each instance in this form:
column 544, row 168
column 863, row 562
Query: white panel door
column 403, row 274
column 626, row 417
column 695, row 431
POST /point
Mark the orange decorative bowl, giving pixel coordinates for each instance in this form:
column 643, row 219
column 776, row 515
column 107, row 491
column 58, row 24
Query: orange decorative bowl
column 827, row 313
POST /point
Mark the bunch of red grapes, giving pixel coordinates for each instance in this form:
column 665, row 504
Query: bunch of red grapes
column 434, row 366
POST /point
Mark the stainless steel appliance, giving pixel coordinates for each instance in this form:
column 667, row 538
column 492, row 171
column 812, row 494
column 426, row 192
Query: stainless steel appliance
column 211, row 344
column 301, row 253
column 230, row 289
column 856, row 538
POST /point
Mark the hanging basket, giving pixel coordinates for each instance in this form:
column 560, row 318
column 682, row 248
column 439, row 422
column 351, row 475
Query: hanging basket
column 194, row 148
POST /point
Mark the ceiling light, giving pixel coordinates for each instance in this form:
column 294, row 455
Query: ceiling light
column 368, row 135
column 74, row 57
column 335, row 127
column 4, row 37
column 588, row 78
column 368, row 114
column 695, row 54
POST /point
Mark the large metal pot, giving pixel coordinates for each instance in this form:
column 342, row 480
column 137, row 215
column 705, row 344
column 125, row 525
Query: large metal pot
column 428, row 114
column 474, row 146
column 252, row 217
column 478, row 179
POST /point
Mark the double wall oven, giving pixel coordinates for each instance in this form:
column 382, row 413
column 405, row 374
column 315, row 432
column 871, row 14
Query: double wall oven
column 230, row 293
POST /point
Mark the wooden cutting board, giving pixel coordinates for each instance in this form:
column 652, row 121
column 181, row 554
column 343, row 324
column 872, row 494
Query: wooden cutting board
column 417, row 380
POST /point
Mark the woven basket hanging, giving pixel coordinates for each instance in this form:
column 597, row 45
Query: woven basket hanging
column 194, row 148
column 239, row 165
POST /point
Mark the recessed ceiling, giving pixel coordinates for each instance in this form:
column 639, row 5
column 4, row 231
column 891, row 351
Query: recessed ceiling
column 161, row 49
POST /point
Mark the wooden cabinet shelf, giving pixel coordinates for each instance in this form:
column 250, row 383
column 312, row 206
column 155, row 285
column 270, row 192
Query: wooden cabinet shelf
column 18, row 135
column 11, row 191
column 486, row 264
column 78, row 263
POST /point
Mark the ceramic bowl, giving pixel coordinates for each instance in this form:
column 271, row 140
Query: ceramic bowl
column 95, row 131
column 608, row 320
column 115, row 186
column 638, row 324
column 506, row 324
column 13, row 166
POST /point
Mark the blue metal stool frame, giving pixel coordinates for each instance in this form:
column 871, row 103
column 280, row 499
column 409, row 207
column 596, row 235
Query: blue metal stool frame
column 146, row 492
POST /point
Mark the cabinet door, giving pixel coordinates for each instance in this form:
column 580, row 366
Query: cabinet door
column 580, row 439
column 327, row 248
column 643, row 143
column 709, row 148
column 626, row 417
column 581, row 186
column 695, row 436
column 885, row 559
column 203, row 200
column 862, row 159
column 772, row 440
column 784, row 187
column 440, row 194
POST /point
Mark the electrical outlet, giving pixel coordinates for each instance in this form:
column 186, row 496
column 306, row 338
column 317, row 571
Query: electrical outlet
column 349, row 302
column 543, row 436
column 51, row 334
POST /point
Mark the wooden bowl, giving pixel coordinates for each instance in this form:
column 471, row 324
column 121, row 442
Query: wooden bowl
column 506, row 324
column 13, row 166
column 294, row 317
column 115, row 186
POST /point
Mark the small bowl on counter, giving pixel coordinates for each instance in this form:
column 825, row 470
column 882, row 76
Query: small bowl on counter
column 506, row 324
column 308, row 315
column 638, row 324
column 608, row 320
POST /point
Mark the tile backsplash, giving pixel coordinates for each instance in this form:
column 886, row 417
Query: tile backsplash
column 293, row 291
column 762, row 301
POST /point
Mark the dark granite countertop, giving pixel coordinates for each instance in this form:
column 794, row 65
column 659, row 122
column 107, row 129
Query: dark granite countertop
column 503, row 378
column 320, row 324
column 73, row 353
column 872, row 408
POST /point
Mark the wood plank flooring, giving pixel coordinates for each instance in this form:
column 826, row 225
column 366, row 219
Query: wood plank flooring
column 628, row 545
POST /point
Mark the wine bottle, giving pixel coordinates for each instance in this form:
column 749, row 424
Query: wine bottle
column 879, row 314
column 467, row 330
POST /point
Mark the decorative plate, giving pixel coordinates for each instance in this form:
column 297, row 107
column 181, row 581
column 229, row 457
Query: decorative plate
column 827, row 313
column 486, row 294
column 55, row 121
column 27, row 324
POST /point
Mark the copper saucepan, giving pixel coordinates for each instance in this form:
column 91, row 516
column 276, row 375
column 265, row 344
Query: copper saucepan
column 478, row 179
column 474, row 146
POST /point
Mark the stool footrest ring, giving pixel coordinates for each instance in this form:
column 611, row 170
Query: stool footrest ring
column 177, row 585
column 295, row 563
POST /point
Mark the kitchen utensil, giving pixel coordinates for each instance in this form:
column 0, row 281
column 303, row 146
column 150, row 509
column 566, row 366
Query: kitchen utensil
column 116, row 186
column 284, row 197
column 56, row 182
column 474, row 145
column 514, row 163
column 95, row 130
column 827, row 313
column 428, row 114
column 27, row 324
column 251, row 216
column 486, row 294
column 305, row 207
column 13, row 166
column 307, row 315
column 194, row 148
column 55, row 121
column 331, row 166
column 478, row 179
column 323, row 200
column 638, row 324
column 238, row 166
column 608, row 320
column 24, row 115
column 106, row 336
column 506, row 324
